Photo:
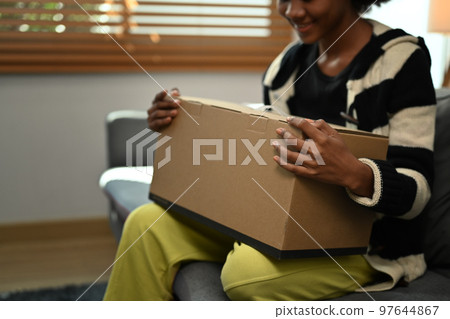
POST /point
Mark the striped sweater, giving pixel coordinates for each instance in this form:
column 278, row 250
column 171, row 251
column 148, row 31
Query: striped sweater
column 389, row 92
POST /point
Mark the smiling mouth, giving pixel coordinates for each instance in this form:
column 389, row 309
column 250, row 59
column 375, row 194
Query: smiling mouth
column 302, row 28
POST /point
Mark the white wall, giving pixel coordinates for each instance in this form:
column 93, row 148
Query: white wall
column 52, row 134
column 412, row 16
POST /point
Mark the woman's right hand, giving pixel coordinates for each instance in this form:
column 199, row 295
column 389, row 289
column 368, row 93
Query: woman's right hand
column 163, row 111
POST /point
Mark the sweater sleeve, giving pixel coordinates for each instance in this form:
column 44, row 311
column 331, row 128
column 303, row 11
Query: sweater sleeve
column 402, row 182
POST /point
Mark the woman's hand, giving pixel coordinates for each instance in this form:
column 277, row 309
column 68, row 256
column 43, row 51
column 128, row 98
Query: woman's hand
column 335, row 164
column 163, row 111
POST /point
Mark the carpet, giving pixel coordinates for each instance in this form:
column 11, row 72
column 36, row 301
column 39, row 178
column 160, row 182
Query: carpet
column 66, row 293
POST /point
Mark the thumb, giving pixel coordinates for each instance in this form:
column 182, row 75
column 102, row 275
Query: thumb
column 175, row 92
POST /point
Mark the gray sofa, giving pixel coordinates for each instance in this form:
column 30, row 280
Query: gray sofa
column 128, row 187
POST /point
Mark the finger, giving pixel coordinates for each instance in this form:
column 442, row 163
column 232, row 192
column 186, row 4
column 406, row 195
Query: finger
column 160, row 96
column 287, row 156
column 283, row 152
column 165, row 96
column 307, row 127
column 158, row 124
column 303, row 171
column 296, row 120
column 160, row 114
column 306, row 160
column 290, row 139
column 175, row 92
column 173, row 95
column 325, row 127
column 166, row 104
column 299, row 159
column 297, row 170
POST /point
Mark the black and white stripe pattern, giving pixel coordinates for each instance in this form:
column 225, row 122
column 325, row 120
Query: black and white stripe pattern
column 391, row 93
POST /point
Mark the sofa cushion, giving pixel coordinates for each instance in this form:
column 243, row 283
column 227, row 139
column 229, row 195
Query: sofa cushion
column 430, row 287
column 199, row 281
column 437, row 212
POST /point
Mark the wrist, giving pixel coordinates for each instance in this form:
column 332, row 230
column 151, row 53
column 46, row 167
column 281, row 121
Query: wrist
column 361, row 180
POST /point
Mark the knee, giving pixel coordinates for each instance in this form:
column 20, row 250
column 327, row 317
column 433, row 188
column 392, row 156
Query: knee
column 251, row 275
column 243, row 270
column 142, row 217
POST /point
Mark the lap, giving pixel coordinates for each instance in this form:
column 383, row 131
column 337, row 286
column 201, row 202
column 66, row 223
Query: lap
column 178, row 236
column 251, row 275
column 247, row 273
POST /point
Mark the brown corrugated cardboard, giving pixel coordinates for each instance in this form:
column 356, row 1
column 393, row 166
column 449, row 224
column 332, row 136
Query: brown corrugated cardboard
column 234, row 185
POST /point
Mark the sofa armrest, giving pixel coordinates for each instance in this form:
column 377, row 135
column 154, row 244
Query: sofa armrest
column 437, row 212
column 121, row 126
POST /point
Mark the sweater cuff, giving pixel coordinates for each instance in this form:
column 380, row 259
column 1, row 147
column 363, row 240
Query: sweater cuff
column 377, row 186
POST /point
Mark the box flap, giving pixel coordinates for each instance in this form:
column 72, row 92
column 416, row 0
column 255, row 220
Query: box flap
column 262, row 113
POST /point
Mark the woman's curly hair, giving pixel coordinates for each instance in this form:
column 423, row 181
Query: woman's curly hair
column 362, row 5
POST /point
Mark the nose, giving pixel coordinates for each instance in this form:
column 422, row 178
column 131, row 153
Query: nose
column 295, row 9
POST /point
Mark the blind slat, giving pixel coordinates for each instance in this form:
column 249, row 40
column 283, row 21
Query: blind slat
column 89, row 38
column 68, row 2
column 54, row 23
column 59, row 35
column 162, row 2
column 73, row 11
column 50, row 68
column 91, row 58
column 39, row 48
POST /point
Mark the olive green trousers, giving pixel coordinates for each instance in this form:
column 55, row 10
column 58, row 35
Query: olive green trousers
column 155, row 243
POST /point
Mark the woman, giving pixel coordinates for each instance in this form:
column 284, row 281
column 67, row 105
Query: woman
column 347, row 71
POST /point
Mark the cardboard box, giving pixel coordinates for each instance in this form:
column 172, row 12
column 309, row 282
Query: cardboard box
column 234, row 185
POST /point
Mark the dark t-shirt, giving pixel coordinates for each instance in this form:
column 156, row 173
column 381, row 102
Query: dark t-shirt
column 319, row 96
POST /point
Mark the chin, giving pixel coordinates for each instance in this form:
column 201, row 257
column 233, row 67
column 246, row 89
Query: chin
column 307, row 40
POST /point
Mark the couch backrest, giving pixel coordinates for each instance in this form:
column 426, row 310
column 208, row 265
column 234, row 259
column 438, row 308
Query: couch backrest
column 123, row 126
column 437, row 212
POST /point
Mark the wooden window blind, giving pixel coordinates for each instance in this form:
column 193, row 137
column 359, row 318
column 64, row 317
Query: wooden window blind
column 165, row 35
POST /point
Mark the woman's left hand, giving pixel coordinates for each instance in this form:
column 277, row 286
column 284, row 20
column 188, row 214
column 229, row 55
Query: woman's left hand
column 322, row 155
